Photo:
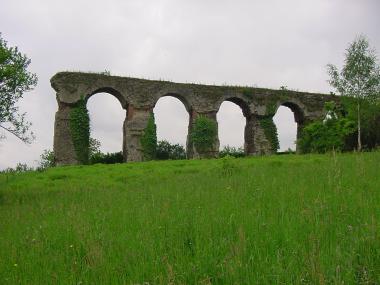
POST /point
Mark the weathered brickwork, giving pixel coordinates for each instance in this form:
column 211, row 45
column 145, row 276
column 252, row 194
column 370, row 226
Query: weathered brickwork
column 139, row 96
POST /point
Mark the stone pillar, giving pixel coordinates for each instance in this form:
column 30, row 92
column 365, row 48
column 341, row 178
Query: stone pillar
column 189, row 144
column 64, row 152
column 213, row 150
column 133, row 129
column 249, row 135
column 255, row 140
column 300, row 127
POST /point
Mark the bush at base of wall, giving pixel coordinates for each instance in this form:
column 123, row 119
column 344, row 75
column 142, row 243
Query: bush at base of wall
column 204, row 134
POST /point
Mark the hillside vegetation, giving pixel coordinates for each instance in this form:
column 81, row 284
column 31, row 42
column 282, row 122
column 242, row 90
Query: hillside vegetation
column 291, row 219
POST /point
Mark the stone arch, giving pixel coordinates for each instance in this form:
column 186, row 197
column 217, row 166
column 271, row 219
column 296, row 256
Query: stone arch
column 189, row 109
column 244, row 105
column 295, row 107
column 245, row 111
column 298, row 111
column 107, row 116
column 184, row 104
column 124, row 105
column 178, row 95
column 112, row 91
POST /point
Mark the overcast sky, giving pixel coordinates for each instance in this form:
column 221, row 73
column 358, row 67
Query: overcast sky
column 259, row 43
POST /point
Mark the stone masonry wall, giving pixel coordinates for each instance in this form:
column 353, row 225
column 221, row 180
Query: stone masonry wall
column 139, row 96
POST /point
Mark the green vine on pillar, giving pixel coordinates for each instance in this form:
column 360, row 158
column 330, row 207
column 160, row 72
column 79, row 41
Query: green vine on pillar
column 149, row 139
column 80, row 130
column 270, row 131
column 269, row 127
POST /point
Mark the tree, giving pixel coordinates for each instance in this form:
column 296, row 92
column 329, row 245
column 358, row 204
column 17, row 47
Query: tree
column 359, row 78
column 14, row 81
column 47, row 159
column 166, row 150
column 94, row 146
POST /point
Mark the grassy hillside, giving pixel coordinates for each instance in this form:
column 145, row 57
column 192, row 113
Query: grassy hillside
column 262, row 220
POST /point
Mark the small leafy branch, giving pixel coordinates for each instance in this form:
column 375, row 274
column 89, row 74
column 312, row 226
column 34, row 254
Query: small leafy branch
column 15, row 80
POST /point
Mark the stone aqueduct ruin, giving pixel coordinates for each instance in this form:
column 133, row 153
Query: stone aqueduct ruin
column 139, row 96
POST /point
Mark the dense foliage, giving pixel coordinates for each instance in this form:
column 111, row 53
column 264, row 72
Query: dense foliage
column 204, row 133
column 320, row 137
column 15, row 80
column 149, row 139
column 370, row 122
column 338, row 131
column 232, row 151
column 106, row 158
column 166, row 150
column 80, row 131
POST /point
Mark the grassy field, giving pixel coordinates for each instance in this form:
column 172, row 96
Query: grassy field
column 261, row 220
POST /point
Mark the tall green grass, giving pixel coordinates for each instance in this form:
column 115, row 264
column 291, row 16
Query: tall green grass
column 292, row 219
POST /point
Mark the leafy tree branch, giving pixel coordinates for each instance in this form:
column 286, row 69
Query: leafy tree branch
column 15, row 80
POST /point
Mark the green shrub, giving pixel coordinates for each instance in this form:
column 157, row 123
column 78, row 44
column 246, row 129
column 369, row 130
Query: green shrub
column 319, row 137
column 20, row 168
column 94, row 146
column 232, row 151
column 165, row 151
column 47, row 159
column 107, row 158
column 339, row 130
column 204, row 134
column 149, row 139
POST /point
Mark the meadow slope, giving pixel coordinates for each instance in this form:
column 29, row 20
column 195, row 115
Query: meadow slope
column 292, row 219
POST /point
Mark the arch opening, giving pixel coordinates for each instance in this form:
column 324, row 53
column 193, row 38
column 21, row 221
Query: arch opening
column 106, row 121
column 287, row 119
column 111, row 91
column 171, row 115
column 231, row 119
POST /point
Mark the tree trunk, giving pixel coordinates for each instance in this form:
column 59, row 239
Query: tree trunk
column 359, row 130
